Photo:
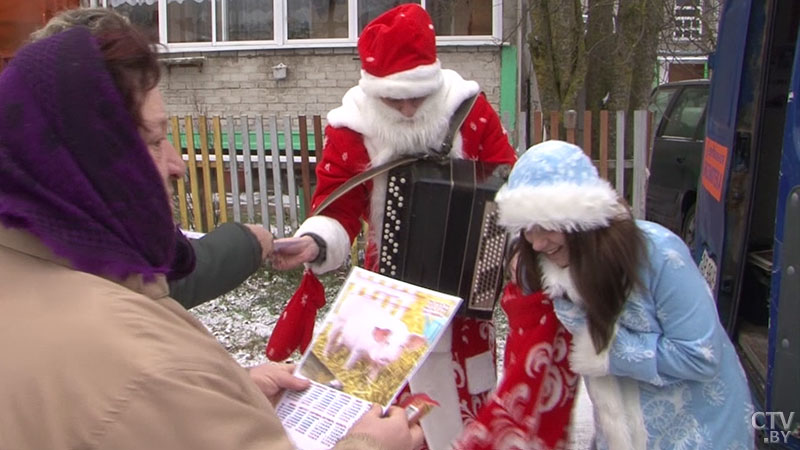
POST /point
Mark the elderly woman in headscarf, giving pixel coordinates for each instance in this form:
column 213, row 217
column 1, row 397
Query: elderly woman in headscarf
column 95, row 352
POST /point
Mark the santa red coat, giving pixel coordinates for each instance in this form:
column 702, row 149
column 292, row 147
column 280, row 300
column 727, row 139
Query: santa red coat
column 351, row 146
column 532, row 405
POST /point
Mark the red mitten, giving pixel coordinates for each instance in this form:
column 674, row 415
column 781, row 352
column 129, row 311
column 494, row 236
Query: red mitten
column 296, row 325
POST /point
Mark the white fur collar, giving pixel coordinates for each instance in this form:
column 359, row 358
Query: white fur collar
column 557, row 281
column 357, row 113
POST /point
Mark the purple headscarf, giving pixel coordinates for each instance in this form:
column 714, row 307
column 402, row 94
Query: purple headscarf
column 73, row 169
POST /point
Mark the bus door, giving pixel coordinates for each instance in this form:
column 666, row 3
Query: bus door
column 784, row 334
column 737, row 197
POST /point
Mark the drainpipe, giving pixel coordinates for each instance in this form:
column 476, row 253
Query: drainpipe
column 522, row 117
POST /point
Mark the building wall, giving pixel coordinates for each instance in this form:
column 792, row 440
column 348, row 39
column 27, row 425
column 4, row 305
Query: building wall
column 242, row 83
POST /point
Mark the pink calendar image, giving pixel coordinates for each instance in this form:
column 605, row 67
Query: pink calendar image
column 378, row 331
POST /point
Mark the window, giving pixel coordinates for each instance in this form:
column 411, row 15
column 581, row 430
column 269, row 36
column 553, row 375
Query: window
column 659, row 102
column 188, row 20
column 143, row 13
column 200, row 25
column 317, row 19
column 461, row 18
column 368, row 10
column 245, row 20
column 688, row 25
column 687, row 113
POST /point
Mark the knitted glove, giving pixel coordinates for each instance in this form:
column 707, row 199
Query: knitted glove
column 296, row 325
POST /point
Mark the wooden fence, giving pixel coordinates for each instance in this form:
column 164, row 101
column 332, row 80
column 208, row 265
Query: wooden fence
column 611, row 134
column 248, row 177
column 267, row 170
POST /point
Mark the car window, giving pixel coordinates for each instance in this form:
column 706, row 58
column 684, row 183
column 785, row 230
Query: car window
column 659, row 102
column 687, row 113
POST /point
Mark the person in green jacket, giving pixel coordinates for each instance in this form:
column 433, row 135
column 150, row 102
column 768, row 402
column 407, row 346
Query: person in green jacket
column 224, row 258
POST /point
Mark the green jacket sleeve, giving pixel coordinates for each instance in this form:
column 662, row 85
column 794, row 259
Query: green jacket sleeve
column 225, row 257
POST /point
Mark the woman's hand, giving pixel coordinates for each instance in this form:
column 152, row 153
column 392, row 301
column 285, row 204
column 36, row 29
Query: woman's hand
column 392, row 430
column 289, row 253
column 272, row 379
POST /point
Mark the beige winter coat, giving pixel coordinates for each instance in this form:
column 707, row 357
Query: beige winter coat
column 88, row 363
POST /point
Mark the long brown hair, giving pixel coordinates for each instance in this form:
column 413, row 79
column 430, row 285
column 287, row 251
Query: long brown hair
column 604, row 264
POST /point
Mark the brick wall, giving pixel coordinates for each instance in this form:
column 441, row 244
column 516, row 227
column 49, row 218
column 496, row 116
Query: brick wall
column 241, row 82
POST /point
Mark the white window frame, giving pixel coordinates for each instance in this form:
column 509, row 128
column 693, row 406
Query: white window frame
column 281, row 32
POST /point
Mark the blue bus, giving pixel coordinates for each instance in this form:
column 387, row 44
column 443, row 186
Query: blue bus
column 747, row 240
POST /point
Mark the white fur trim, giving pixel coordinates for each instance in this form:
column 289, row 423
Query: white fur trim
column 560, row 206
column 455, row 90
column 417, row 82
column 557, row 281
column 618, row 414
column 584, row 359
column 335, row 237
column 349, row 114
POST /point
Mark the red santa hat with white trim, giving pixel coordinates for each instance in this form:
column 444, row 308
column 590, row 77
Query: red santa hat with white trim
column 398, row 54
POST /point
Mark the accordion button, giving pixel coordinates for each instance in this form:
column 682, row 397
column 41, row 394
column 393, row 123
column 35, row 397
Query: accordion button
column 400, row 205
column 394, row 250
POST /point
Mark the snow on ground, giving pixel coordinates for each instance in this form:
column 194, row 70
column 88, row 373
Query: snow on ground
column 243, row 319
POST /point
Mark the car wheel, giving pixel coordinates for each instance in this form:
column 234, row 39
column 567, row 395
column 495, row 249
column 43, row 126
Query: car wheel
column 688, row 227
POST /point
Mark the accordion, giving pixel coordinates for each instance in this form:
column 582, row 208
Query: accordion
column 440, row 230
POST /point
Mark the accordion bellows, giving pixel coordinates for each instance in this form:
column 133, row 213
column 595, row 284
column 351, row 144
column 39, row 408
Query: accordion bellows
column 440, row 230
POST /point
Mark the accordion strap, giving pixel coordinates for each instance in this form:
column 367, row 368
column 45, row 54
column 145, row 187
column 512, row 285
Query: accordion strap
column 447, row 144
column 360, row 178
column 455, row 124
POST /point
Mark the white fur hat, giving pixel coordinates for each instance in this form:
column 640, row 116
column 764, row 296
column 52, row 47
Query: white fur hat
column 556, row 186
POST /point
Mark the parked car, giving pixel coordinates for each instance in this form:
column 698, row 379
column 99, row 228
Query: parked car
column 679, row 116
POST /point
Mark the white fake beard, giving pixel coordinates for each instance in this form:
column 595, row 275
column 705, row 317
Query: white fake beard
column 392, row 135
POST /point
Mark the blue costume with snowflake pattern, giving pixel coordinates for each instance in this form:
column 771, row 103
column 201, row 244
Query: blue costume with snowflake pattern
column 670, row 379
